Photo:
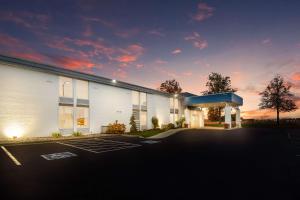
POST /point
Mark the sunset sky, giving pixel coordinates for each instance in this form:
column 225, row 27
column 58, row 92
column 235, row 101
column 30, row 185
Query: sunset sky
column 147, row 42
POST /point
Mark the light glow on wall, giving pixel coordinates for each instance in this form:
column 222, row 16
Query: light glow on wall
column 14, row 131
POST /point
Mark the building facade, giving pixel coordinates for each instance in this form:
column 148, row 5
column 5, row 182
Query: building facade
column 38, row 99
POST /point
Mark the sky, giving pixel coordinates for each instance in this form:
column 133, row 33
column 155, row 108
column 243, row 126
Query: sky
column 148, row 42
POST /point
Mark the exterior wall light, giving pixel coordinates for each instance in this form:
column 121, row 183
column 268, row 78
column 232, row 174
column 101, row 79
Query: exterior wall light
column 14, row 131
column 114, row 81
column 175, row 95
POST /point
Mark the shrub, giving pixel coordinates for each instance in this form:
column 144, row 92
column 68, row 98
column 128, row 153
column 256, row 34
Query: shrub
column 133, row 127
column 56, row 134
column 226, row 126
column 179, row 123
column 116, row 128
column 165, row 127
column 171, row 126
column 77, row 133
column 154, row 121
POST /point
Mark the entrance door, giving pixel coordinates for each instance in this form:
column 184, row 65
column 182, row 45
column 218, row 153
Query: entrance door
column 195, row 119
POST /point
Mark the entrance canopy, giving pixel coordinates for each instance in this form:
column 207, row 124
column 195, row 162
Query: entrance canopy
column 212, row 100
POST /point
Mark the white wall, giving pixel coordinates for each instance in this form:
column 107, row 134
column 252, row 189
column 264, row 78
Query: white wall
column 28, row 101
column 158, row 106
column 108, row 104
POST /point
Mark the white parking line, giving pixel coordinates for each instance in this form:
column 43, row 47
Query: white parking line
column 76, row 147
column 11, row 156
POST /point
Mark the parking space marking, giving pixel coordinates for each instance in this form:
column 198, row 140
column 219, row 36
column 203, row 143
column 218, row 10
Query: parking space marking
column 56, row 156
column 76, row 147
column 11, row 156
column 99, row 145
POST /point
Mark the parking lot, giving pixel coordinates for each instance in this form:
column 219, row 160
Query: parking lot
column 238, row 164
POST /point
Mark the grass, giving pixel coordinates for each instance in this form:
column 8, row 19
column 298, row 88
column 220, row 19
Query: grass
column 148, row 133
column 215, row 125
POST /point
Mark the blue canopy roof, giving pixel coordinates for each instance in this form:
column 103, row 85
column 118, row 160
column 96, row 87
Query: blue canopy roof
column 214, row 99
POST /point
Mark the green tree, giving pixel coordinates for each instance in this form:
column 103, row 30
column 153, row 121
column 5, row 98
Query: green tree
column 217, row 84
column 170, row 86
column 154, row 121
column 132, row 123
column 277, row 96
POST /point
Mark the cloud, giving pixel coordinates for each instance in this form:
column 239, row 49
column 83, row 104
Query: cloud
column 176, row 51
column 26, row 19
column 296, row 76
column 204, row 12
column 156, row 33
column 88, row 31
column 139, row 66
column 197, row 41
column 266, row 42
column 130, row 54
column 188, row 73
column 126, row 33
column 161, row 62
column 73, row 63
column 120, row 73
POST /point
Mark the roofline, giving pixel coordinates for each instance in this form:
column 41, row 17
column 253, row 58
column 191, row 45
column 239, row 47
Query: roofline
column 28, row 64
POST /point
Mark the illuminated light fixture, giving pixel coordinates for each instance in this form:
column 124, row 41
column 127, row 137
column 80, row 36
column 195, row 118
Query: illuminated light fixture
column 114, row 81
column 14, row 131
column 175, row 95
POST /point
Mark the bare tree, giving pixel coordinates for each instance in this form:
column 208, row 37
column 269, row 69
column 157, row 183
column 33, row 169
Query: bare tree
column 277, row 96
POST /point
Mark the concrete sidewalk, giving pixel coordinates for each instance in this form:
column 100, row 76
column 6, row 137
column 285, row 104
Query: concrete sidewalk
column 167, row 133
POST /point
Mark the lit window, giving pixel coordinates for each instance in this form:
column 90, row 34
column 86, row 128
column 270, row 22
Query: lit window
column 171, row 103
column 82, row 89
column 135, row 98
column 176, row 103
column 82, row 117
column 65, row 87
column 143, row 119
column 65, row 117
column 143, row 99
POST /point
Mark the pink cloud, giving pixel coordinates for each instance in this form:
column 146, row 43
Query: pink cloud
column 197, row 41
column 26, row 19
column 161, row 62
column 120, row 73
column 126, row 33
column 176, row 51
column 130, row 54
column 139, row 66
column 188, row 73
column 74, row 63
column 204, row 12
column 126, row 58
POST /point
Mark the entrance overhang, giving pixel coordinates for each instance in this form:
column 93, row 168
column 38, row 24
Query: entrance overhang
column 214, row 100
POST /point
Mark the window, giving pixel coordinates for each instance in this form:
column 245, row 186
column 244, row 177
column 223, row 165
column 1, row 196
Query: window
column 143, row 99
column 171, row 103
column 65, row 117
column 135, row 98
column 176, row 103
column 65, row 87
column 82, row 117
column 143, row 118
column 82, row 89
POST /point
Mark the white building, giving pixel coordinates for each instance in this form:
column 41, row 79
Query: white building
column 38, row 99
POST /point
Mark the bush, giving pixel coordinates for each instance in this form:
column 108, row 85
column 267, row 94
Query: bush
column 77, row 133
column 56, row 134
column 116, row 128
column 154, row 121
column 179, row 123
column 133, row 127
column 226, row 126
column 171, row 126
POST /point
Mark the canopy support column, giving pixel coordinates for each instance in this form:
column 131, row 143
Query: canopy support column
column 187, row 114
column 201, row 118
column 238, row 117
column 228, row 115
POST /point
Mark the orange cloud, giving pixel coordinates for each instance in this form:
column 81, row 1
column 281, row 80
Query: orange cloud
column 296, row 76
column 74, row 64
column 204, row 12
column 126, row 58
